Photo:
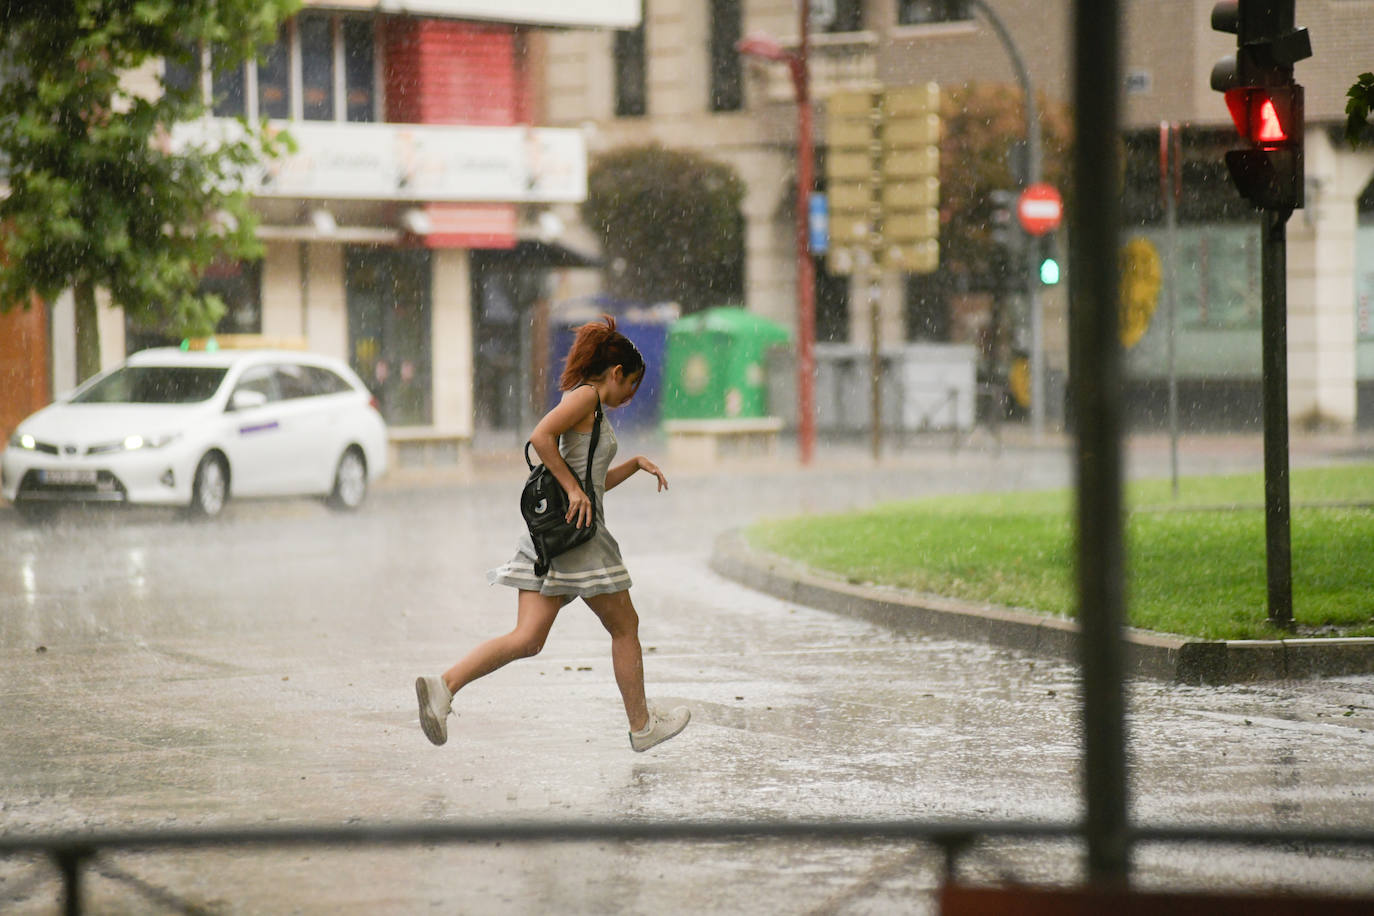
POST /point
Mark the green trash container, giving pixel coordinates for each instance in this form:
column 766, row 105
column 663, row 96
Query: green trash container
column 714, row 365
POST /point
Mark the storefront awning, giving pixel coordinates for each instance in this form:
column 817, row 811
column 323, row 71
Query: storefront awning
column 536, row 253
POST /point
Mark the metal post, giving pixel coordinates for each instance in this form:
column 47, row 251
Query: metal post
column 1030, row 177
column 806, row 270
column 875, row 336
column 1169, row 185
column 70, row 861
column 1274, row 356
column 1095, row 372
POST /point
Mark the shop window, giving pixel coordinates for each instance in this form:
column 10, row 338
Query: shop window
column 316, row 33
column 848, row 17
column 274, row 78
column 726, row 84
column 387, row 294
column 926, row 308
column 832, row 305
column 238, row 285
column 926, row 12
column 631, row 84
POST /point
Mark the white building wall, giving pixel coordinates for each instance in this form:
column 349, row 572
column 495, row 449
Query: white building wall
column 452, row 345
column 1321, row 296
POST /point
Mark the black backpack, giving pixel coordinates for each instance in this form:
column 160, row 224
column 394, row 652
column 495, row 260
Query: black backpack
column 544, row 504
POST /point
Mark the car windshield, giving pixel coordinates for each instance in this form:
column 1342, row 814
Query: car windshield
column 154, row 385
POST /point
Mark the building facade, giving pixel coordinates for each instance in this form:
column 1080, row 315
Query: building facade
column 676, row 80
column 403, row 232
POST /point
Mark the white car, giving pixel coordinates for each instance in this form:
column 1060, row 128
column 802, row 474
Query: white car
column 189, row 428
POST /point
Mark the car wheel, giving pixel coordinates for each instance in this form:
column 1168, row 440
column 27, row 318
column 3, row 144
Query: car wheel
column 350, row 481
column 210, row 489
column 35, row 513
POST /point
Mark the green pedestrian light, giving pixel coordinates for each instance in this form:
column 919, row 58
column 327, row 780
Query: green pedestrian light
column 1049, row 271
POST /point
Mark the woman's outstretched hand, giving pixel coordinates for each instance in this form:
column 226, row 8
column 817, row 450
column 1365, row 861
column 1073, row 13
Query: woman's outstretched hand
column 646, row 465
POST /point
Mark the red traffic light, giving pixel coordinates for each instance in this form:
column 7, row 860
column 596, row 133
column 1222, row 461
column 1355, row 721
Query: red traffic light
column 1264, row 115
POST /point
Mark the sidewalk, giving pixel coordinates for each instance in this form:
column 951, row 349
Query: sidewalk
column 1147, row 454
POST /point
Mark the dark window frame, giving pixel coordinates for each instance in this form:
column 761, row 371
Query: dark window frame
column 355, row 86
column 727, row 79
column 849, row 17
column 933, row 12
column 317, row 59
column 631, row 71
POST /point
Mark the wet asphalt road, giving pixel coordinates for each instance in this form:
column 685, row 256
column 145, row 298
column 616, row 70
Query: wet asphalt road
column 259, row 670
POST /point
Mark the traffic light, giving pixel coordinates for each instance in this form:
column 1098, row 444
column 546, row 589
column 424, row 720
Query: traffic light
column 1006, row 230
column 1264, row 101
column 1047, row 260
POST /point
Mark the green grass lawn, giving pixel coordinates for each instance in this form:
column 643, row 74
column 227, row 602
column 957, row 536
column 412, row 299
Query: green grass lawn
column 1196, row 565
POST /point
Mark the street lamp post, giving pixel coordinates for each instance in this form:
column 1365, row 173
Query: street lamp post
column 767, row 48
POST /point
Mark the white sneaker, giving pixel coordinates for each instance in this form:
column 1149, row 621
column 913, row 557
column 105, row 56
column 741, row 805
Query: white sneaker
column 435, row 704
column 660, row 728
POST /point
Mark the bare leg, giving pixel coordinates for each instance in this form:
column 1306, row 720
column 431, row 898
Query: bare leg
column 617, row 614
column 535, row 614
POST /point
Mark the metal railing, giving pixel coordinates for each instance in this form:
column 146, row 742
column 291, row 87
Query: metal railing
column 74, row 853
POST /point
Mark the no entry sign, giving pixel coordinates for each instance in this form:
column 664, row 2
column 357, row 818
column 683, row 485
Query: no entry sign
column 1040, row 208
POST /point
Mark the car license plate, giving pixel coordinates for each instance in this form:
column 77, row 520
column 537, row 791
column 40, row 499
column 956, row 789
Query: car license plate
column 68, row 478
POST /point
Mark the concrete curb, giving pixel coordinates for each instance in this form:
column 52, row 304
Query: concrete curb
column 1148, row 654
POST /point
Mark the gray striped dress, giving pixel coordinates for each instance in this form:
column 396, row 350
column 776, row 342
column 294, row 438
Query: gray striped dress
column 593, row 568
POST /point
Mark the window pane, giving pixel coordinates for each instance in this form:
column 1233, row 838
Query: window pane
column 227, row 87
column 358, row 70
column 154, row 385
column 181, row 74
column 274, row 79
column 849, row 16
column 630, row 95
column 726, row 86
column 317, row 67
column 920, row 12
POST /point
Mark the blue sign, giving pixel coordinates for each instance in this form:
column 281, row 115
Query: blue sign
column 818, row 224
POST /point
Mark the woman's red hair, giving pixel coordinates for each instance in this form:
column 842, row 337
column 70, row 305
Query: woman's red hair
column 597, row 347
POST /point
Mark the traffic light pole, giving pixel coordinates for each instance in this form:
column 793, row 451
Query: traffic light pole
column 1274, row 359
column 1030, row 176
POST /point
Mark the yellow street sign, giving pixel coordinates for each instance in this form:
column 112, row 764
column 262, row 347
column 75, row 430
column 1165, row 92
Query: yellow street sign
column 919, row 130
column 911, row 193
column 911, row 163
column 914, row 258
column 850, row 228
column 911, row 100
column 849, row 166
column 849, row 104
column 850, row 196
column 911, row 226
column 850, row 135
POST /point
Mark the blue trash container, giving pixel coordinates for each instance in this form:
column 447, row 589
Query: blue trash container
column 647, row 326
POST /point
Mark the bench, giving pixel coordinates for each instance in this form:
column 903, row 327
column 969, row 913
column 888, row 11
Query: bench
column 705, row 442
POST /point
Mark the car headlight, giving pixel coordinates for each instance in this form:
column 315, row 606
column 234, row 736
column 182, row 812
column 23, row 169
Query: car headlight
column 24, row 441
column 133, row 443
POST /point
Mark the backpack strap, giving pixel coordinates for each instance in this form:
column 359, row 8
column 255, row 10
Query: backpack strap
column 591, row 452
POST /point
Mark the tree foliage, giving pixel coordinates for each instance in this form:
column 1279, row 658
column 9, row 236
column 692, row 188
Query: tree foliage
column 669, row 223
column 98, row 196
column 981, row 122
column 1359, row 102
